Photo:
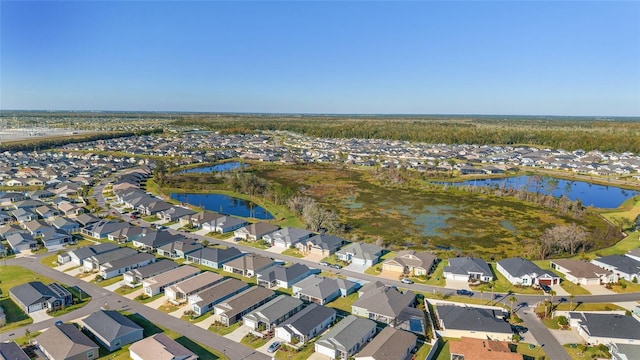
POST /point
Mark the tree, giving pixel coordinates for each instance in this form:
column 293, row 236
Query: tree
column 512, row 299
column 205, row 243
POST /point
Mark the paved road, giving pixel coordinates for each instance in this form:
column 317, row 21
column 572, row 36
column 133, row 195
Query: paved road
column 101, row 297
column 543, row 336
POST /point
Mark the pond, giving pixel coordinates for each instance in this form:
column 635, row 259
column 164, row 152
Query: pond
column 224, row 204
column 215, row 168
column 600, row 196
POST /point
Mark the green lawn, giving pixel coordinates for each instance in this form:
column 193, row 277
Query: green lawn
column 568, row 306
column 253, row 341
column 502, row 285
column 292, row 252
column 423, row 351
column 344, row 303
column 223, row 330
column 146, row 299
column 107, row 282
column 580, row 352
column 532, row 351
column 80, row 299
column 624, row 286
column 287, row 353
column 436, row 278
column 124, row 290
column 11, row 276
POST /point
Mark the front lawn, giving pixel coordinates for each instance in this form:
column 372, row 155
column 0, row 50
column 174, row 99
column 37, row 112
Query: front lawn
column 124, row 290
column 502, row 285
column 145, row 299
column 624, row 286
column 343, row 303
column 107, row 282
column 11, row 276
column 253, row 341
column 287, row 353
column 579, row 351
column 292, row 252
column 222, row 329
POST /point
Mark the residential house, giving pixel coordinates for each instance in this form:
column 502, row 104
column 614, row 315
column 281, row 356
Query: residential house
column 199, row 219
column 175, row 213
column 635, row 253
column 359, row 253
column 480, row 323
column 468, row 269
column 205, row 300
column 11, row 351
column 606, row 328
column 179, row 249
column 102, row 228
column 624, row 267
column 389, row 344
column 320, row 290
column 411, row 263
column 112, row 329
column 9, row 198
column 181, row 291
column 346, row 338
column 5, row 217
column 247, row 265
column 120, row 266
column 35, row 296
column 306, row 324
column 47, row 212
column 134, row 277
column 214, row 257
column 152, row 206
column 481, row 349
column 127, row 234
column 55, row 239
column 20, row 242
column 70, row 209
column 321, row 245
column 388, row 305
column 66, row 342
column 624, row 351
column 67, row 225
column 156, row 284
column 233, row 309
column 6, row 230
column 273, row 313
column 36, row 227
column 23, row 215
column 77, row 256
column 151, row 240
column 161, row 347
column 256, row 231
column 224, row 224
column 93, row 262
column 86, row 219
column 281, row 276
column 287, row 237
column 523, row 272
column 583, row 273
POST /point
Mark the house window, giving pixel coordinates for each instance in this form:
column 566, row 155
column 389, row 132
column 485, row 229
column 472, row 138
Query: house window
column 90, row 354
column 117, row 342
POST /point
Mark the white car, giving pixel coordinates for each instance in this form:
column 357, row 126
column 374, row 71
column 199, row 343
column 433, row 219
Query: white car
column 406, row 281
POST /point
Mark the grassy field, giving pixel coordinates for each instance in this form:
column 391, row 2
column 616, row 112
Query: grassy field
column 223, row 330
column 253, row 341
column 11, row 276
column 344, row 303
column 568, row 286
column 579, row 352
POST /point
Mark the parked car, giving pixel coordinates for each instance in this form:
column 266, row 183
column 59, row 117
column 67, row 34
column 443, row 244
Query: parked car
column 463, row 292
column 336, row 266
column 273, row 347
column 545, row 288
column 406, row 281
column 324, row 263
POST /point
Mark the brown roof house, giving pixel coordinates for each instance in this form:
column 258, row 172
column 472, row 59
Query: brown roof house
column 410, row 262
column 481, row 349
column 583, row 272
column 66, row 342
column 160, row 347
column 247, row 265
column 389, row 344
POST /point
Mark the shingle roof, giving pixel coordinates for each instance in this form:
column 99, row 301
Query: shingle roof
column 622, row 263
column 161, row 347
column 347, row 333
column 467, row 265
column 520, row 267
column 387, row 301
column 472, row 318
column 32, row 293
column 308, row 318
column 11, row 351
column 64, row 341
column 389, row 344
column 110, row 324
column 608, row 325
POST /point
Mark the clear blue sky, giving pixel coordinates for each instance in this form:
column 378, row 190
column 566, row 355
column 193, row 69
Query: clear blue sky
column 510, row 57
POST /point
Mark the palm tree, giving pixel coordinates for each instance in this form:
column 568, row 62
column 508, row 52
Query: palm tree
column 512, row 299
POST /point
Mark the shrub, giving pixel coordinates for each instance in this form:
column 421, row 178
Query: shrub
column 562, row 320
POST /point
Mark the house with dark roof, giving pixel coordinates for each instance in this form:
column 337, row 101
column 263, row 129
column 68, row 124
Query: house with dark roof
column 175, row 213
column 624, row 267
column 583, row 272
column 11, row 351
column 234, row 308
column 359, row 253
column 134, row 277
column 160, row 347
column 102, row 228
column 273, row 313
column 322, row 290
column 205, row 300
column 66, row 342
column 247, row 265
column 151, row 240
column 213, row 257
column 112, row 329
column 256, row 231
column 280, row 276
column 388, row 305
column 468, row 269
column 65, row 224
column 346, row 338
column 127, row 234
column 306, row 324
column 224, row 224
column 54, row 239
column 179, row 249
column 389, row 344
column 411, row 263
column 606, row 328
column 321, row 245
column 35, row 296
column 524, row 272
column 201, row 218
column 120, row 266
column 287, row 237
column 20, row 242
column 480, row 323
column 635, row 253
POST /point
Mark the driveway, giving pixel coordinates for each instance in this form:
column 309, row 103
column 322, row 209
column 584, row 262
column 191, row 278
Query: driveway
column 392, row 275
column 318, row 356
column 356, row 268
column 263, row 348
column 39, row 316
column 313, row 257
column 206, row 323
column 238, row 333
column 65, row 267
column 157, row 302
column 275, row 249
column 559, row 290
column 567, row 336
column 598, row 290
column 115, row 286
column 458, row 285
column 135, row 294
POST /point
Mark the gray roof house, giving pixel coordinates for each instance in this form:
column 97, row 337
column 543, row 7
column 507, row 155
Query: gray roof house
column 280, row 276
column 224, row 224
column 287, row 237
column 127, row 234
column 179, row 249
column 213, row 257
column 597, row 328
column 156, row 284
column 624, row 267
column 411, row 262
column 6, row 230
column 306, row 324
column 120, row 266
column 112, row 329
column 77, row 256
column 34, row 296
column 346, row 338
column 205, row 300
column 175, row 213
column 256, row 231
column 11, row 351
column 273, row 313
column 359, row 253
column 583, row 272
column 66, row 342
column 154, row 239
column 94, row 262
column 480, row 323
column 322, row 245
column 65, row 224
column 523, row 272
column 134, row 277
column 247, row 265
column 233, row 309
column 384, row 304
column 322, row 290
column 635, row 253
column 624, row 351
column 389, row 344
column 468, row 268
column 181, row 291
column 102, row 228
column 160, row 347
column 20, row 242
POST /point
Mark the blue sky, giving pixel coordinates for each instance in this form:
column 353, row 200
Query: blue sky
column 509, row 57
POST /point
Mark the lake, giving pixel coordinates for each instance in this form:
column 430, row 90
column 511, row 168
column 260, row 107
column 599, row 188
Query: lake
column 218, row 167
column 225, row 204
column 600, row 196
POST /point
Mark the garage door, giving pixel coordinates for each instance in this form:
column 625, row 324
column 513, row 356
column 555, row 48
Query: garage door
column 545, row 282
